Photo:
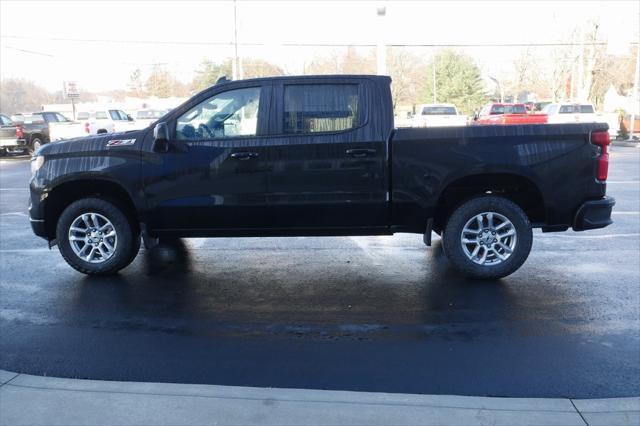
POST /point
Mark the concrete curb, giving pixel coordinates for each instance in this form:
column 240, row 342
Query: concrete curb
column 36, row 400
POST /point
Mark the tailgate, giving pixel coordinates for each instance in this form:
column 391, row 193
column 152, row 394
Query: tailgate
column 8, row 132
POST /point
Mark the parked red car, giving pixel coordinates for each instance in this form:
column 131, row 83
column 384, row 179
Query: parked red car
column 498, row 113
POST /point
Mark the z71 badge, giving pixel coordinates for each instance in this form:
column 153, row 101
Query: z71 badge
column 121, row 142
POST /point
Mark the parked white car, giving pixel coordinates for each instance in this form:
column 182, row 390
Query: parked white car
column 145, row 117
column 438, row 115
column 571, row 113
column 107, row 121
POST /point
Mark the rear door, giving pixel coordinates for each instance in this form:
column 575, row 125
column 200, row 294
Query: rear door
column 327, row 162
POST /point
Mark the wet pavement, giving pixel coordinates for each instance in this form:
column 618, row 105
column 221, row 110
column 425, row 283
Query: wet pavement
column 353, row 313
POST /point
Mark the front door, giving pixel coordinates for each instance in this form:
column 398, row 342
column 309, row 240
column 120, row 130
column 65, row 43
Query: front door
column 213, row 176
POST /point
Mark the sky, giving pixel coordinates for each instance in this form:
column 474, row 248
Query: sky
column 99, row 43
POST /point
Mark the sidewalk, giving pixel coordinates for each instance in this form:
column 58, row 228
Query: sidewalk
column 35, row 400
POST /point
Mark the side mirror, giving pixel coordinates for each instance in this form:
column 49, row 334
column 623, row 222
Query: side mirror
column 476, row 114
column 161, row 137
column 129, row 117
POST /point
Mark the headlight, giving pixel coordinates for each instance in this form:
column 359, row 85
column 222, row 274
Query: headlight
column 36, row 163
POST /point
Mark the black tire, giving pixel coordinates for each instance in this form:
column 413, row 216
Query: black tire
column 128, row 240
column 36, row 143
column 452, row 238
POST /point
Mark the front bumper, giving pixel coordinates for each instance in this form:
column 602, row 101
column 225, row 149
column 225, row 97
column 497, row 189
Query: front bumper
column 37, row 225
column 594, row 214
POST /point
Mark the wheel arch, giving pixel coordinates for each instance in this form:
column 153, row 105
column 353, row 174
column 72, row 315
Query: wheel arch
column 65, row 193
column 516, row 187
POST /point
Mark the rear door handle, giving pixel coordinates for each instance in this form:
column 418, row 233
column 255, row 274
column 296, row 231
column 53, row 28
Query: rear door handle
column 244, row 155
column 360, row 152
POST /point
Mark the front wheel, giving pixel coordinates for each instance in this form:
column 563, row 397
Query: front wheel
column 488, row 237
column 95, row 237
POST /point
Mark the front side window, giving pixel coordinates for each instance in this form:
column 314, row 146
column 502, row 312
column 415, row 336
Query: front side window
column 228, row 114
column 61, row 118
column 310, row 108
column 115, row 115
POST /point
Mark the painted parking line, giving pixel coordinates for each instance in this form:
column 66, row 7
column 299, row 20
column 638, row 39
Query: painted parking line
column 622, row 182
column 630, row 213
column 14, row 189
column 590, row 237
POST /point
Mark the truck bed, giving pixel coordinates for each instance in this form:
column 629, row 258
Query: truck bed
column 556, row 160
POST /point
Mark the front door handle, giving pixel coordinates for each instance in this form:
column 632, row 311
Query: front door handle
column 244, row 155
column 360, row 152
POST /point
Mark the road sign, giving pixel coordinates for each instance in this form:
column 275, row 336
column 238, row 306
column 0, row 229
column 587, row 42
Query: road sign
column 71, row 89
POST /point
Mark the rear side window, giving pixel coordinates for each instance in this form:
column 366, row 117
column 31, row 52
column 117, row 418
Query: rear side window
column 316, row 108
column 101, row 115
column 439, row 110
column 576, row 109
column 30, row 118
column 82, row 116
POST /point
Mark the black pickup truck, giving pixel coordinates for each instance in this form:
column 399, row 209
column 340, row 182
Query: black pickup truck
column 34, row 128
column 314, row 156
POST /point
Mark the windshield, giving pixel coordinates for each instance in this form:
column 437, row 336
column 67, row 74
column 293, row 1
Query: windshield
column 439, row 110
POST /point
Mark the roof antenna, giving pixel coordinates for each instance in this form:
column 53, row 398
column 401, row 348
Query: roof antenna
column 222, row 80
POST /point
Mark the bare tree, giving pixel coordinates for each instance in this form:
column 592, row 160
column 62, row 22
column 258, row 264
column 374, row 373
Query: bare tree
column 407, row 71
column 18, row 95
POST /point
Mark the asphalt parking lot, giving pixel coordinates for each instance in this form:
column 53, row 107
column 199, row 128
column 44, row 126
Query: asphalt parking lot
column 362, row 313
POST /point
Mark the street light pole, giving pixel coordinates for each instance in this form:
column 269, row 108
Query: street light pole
column 381, row 55
column 235, row 67
column 634, row 96
column 499, row 89
column 434, row 80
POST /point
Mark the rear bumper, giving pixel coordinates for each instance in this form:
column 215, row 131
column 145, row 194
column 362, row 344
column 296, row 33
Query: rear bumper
column 12, row 143
column 594, row 214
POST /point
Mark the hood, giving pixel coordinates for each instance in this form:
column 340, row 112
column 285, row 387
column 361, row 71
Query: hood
column 121, row 140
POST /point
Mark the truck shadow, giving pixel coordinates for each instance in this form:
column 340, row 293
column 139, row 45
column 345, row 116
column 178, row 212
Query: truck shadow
column 433, row 301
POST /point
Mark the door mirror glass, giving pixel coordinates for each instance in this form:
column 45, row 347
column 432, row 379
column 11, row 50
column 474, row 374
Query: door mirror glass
column 161, row 137
column 161, row 132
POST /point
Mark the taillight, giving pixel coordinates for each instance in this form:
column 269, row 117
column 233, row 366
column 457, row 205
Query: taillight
column 19, row 132
column 602, row 140
column 87, row 127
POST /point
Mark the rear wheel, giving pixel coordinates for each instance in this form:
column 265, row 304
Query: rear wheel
column 488, row 237
column 96, row 237
column 36, row 143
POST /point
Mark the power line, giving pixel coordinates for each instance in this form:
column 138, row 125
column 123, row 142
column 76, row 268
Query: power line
column 297, row 44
